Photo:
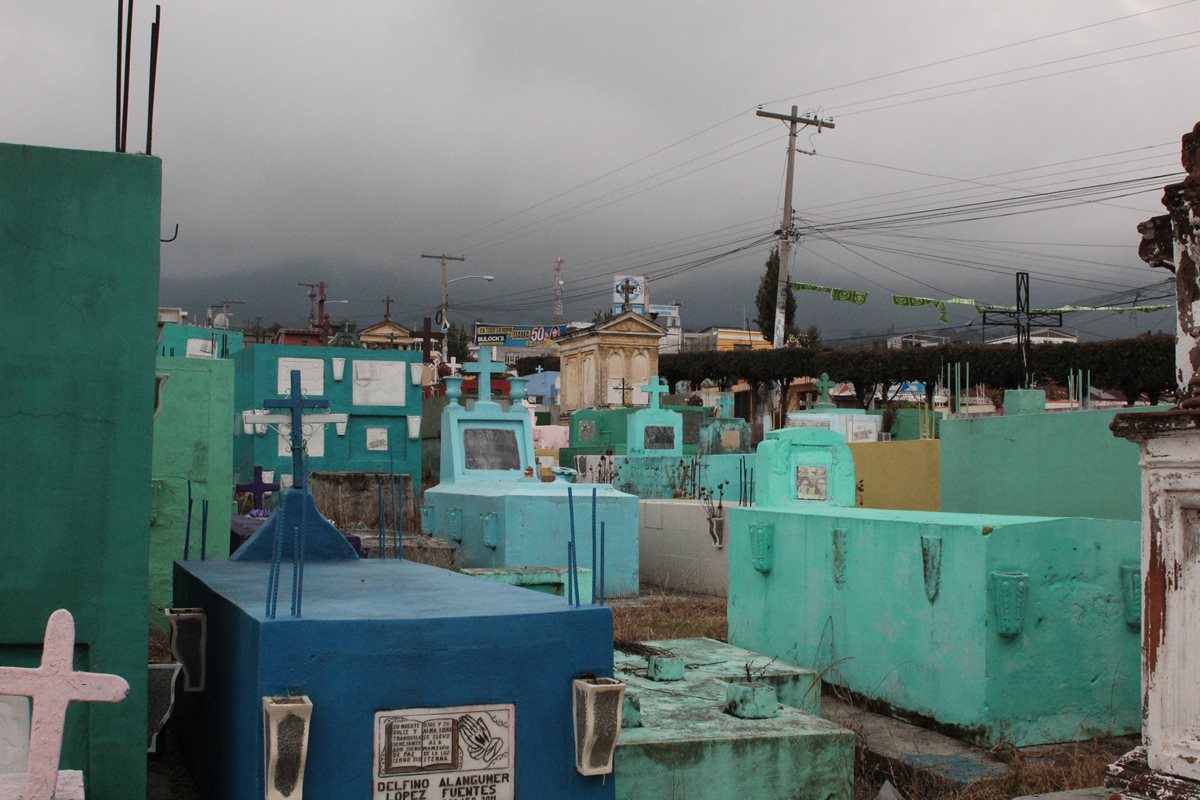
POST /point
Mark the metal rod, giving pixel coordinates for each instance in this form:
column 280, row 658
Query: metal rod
column 382, row 516
column 298, row 562
column 602, row 536
column 276, row 557
column 154, row 29
column 125, row 96
column 593, row 545
column 204, row 529
column 570, row 573
column 117, row 91
column 187, row 533
column 392, row 494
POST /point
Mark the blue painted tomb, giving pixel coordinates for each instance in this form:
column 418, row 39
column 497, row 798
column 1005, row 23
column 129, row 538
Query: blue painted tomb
column 491, row 503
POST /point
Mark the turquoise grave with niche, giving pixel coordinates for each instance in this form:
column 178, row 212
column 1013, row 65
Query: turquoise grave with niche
column 1000, row 628
column 854, row 424
column 491, row 504
column 373, row 423
column 193, row 341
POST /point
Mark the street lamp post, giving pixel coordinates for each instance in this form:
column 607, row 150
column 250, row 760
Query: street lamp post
column 446, row 294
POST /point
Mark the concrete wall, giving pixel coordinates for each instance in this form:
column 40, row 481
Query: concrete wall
column 79, row 249
column 676, row 551
column 905, row 475
column 193, row 441
column 917, row 610
column 1052, row 464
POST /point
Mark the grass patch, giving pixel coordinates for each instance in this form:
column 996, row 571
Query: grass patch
column 658, row 614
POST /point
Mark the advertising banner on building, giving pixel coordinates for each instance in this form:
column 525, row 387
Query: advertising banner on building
column 517, row 335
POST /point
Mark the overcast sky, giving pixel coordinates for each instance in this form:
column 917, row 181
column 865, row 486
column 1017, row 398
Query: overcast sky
column 307, row 141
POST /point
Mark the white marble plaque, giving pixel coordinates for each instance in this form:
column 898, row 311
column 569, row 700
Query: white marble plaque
column 436, row 753
column 379, row 383
column 312, row 376
column 199, row 348
column 314, row 439
column 377, row 439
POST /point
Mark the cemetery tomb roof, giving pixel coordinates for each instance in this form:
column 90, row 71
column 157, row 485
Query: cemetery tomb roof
column 370, row 590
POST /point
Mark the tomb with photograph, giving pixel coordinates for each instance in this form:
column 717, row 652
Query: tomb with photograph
column 974, row 623
column 492, row 505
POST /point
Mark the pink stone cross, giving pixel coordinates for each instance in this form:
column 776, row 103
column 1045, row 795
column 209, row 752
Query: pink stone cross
column 51, row 687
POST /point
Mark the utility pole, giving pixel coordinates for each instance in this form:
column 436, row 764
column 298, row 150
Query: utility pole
column 787, row 231
column 558, row 284
column 1023, row 318
column 443, row 320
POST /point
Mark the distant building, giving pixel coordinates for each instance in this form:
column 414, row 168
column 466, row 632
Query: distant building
column 387, row 335
column 1045, row 336
column 727, row 339
column 908, row 340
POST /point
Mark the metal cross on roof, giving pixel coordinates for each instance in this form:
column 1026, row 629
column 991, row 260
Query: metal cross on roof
column 52, row 686
column 823, row 387
column 296, row 403
column 257, row 488
column 485, row 368
column 655, row 388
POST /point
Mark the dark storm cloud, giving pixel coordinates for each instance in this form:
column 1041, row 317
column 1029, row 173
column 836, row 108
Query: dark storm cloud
column 306, row 142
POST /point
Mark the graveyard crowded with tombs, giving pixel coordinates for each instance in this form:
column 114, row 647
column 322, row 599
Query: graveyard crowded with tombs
column 353, row 568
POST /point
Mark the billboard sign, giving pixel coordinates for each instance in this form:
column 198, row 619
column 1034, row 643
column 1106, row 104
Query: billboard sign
column 517, row 335
column 638, row 284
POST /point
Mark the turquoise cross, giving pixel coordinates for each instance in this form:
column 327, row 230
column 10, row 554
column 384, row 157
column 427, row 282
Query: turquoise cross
column 654, row 389
column 485, row 368
column 823, row 387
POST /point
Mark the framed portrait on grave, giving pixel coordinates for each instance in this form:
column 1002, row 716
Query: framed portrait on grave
column 810, row 483
column 658, row 437
column 462, row 751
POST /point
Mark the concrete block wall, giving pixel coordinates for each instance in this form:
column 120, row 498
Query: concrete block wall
column 676, row 551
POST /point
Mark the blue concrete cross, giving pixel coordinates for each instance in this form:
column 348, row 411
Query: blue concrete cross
column 257, row 487
column 654, row 389
column 823, row 387
column 485, row 368
column 296, row 403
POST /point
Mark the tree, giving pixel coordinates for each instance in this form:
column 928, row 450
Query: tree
column 764, row 301
column 457, row 340
column 811, row 338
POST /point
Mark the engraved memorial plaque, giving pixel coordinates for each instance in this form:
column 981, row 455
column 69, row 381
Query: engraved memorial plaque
column 464, row 751
column 491, row 448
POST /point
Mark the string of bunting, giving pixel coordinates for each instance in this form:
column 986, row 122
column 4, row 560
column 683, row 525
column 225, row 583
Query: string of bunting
column 858, row 298
column 940, row 305
column 841, row 295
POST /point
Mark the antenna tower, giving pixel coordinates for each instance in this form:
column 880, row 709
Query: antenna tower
column 558, row 284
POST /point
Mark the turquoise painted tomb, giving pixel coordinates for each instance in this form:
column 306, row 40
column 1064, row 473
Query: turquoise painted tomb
column 492, row 505
column 373, row 422
column 1000, row 628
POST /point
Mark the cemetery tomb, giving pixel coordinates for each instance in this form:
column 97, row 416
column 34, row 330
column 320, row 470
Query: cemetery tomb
column 176, row 340
column 724, row 434
column 192, row 465
column 373, row 418
column 412, row 678
column 493, row 506
column 75, row 480
column 384, row 678
column 683, row 734
column 1000, row 628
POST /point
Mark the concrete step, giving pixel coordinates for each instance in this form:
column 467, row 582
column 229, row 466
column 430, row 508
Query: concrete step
column 908, row 749
column 688, row 746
